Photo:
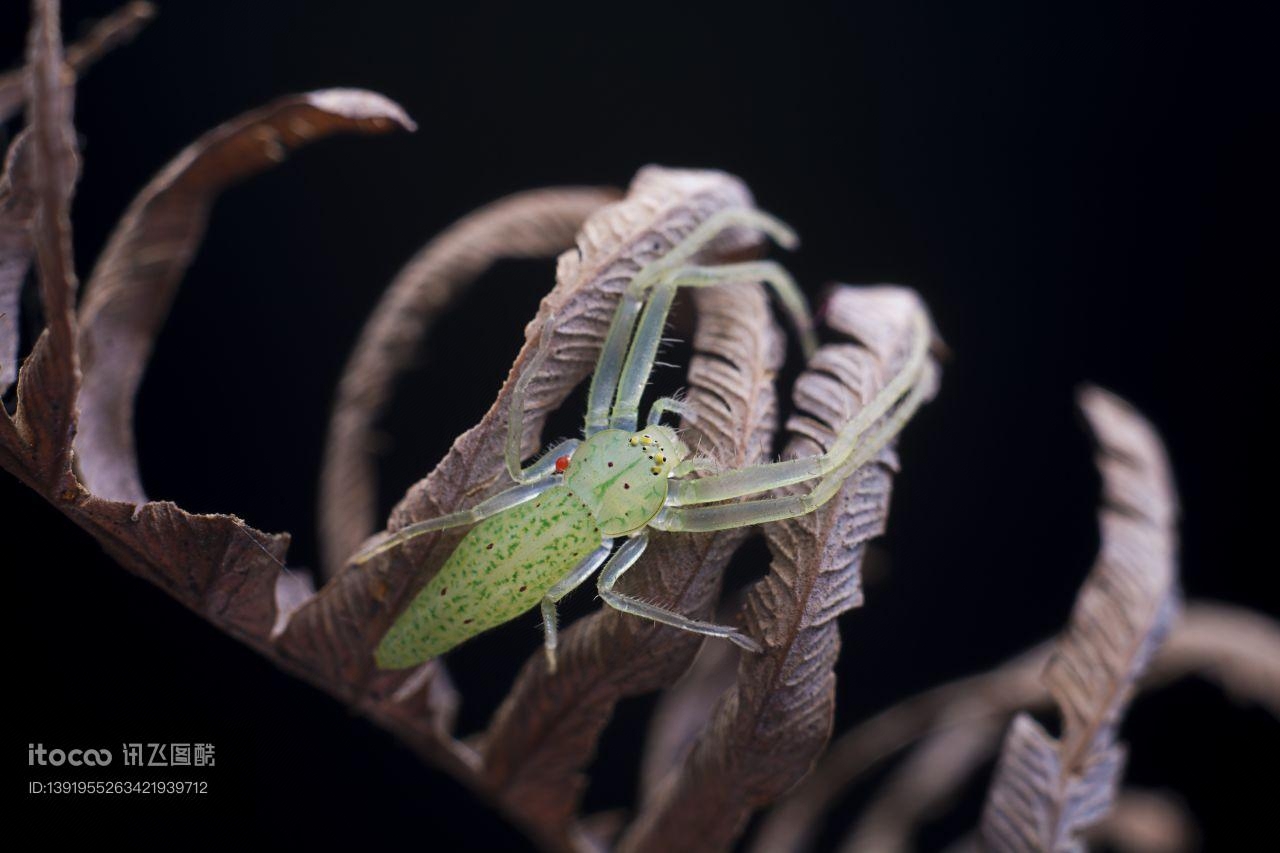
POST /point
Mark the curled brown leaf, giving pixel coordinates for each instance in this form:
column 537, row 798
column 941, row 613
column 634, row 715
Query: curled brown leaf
column 1235, row 648
column 991, row 695
column 1045, row 791
column 770, row 727
column 135, row 279
column 215, row 564
column 37, row 442
column 17, row 207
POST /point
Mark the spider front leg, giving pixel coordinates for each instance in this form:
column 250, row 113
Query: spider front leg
column 566, row 585
column 662, row 405
column 700, row 464
column 624, row 559
column 907, row 389
column 648, row 335
column 609, row 367
column 766, row 477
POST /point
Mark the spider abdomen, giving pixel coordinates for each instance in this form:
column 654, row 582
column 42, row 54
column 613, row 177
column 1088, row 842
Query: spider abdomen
column 500, row 569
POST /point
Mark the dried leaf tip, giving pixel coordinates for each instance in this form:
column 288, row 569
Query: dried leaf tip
column 137, row 275
column 362, row 105
column 1047, row 791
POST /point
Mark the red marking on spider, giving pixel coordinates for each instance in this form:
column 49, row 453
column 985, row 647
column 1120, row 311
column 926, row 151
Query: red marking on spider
column 561, row 464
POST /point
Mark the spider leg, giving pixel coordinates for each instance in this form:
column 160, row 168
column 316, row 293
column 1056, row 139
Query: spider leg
column 662, row 405
column 609, row 367
column 496, row 504
column 761, row 510
column 640, row 358
column 915, row 378
column 644, row 347
column 604, row 381
column 563, row 587
column 625, row 558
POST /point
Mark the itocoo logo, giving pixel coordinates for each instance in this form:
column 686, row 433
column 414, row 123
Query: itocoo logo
column 37, row 754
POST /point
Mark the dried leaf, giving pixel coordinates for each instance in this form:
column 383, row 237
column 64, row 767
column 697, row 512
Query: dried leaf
column 1238, row 649
column 1060, row 801
column 532, row 224
column 1233, row 647
column 36, row 444
column 135, row 279
column 768, row 730
column 545, row 733
column 1139, row 822
column 1015, row 684
column 216, row 565
column 112, row 31
column 17, row 207
column 1046, row 792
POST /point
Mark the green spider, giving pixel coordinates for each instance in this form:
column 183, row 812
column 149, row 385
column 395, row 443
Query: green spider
column 552, row 530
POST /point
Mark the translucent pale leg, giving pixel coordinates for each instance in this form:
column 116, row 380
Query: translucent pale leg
column 640, row 358
column 758, row 478
column 702, row 518
column 563, row 587
column 662, row 405
column 604, row 381
column 503, row 500
column 609, row 366
column 625, row 558
column 644, row 348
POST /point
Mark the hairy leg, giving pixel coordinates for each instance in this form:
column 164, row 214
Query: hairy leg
column 494, row 505
column 624, row 559
column 662, row 405
column 604, row 382
column 915, row 378
column 725, row 516
column 648, row 335
column 563, row 587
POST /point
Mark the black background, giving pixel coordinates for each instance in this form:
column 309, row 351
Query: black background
column 1078, row 191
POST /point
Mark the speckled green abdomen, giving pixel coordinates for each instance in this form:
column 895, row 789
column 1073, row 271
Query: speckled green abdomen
column 503, row 567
